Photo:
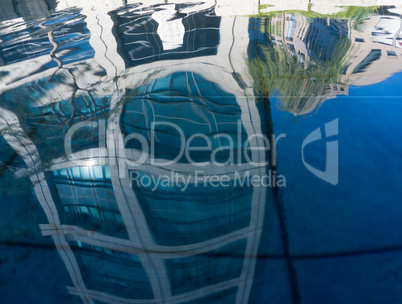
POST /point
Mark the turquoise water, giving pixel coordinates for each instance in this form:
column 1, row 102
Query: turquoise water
column 194, row 153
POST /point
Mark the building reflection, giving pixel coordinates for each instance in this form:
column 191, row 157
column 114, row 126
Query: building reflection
column 305, row 58
column 308, row 60
column 125, row 243
column 126, row 67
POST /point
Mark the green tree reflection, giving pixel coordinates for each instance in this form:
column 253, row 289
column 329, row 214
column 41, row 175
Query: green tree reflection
column 300, row 80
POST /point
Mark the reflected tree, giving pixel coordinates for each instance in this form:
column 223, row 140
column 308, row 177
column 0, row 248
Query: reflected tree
column 301, row 80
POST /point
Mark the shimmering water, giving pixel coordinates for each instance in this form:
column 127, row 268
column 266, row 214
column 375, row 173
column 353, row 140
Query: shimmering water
column 204, row 152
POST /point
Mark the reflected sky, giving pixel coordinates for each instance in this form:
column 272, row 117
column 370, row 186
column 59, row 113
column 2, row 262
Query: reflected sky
column 118, row 119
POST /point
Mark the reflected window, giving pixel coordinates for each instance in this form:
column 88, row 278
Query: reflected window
column 292, row 49
column 178, row 216
column 291, row 25
column 113, row 272
column 386, row 29
column 362, row 66
column 86, row 199
column 184, row 102
column 145, row 36
column 203, row 270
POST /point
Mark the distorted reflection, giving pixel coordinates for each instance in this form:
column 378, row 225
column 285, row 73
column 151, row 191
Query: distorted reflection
column 121, row 242
column 307, row 60
column 123, row 68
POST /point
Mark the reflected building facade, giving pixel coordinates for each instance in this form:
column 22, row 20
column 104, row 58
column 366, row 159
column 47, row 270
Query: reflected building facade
column 310, row 60
column 122, row 242
column 126, row 69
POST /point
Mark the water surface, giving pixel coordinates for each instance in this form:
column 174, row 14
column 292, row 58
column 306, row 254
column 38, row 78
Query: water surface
column 200, row 153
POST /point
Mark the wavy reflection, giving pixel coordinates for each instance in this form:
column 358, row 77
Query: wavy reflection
column 115, row 70
column 122, row 242
column 307, row 59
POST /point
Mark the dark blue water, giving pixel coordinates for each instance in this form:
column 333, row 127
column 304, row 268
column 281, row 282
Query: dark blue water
column 195, row 153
